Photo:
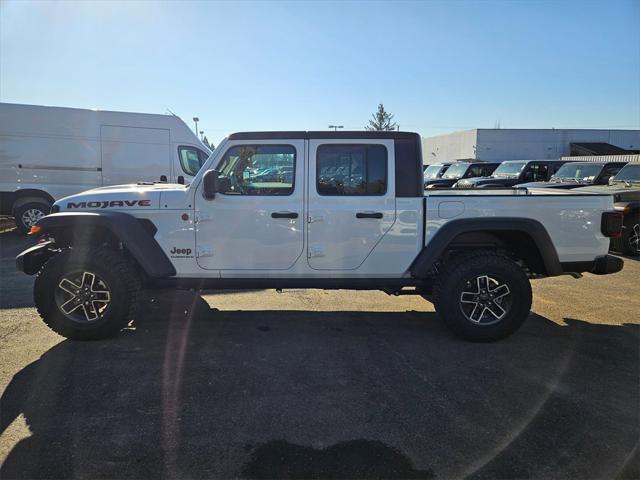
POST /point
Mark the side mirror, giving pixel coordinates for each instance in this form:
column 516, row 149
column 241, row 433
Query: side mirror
column 210, row 182
column 214, row 183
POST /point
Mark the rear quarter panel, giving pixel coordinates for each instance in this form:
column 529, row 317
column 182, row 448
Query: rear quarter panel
column 572, row 220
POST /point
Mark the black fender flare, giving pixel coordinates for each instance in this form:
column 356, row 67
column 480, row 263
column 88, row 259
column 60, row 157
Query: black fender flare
column 447, row 233
column 130, row 231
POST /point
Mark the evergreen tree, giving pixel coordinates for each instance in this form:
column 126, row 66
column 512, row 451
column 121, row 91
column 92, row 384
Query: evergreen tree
column 381, row 120
column 209, row 145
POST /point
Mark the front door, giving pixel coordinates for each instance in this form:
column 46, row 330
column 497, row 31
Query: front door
column 351, row 200
column 258, row 223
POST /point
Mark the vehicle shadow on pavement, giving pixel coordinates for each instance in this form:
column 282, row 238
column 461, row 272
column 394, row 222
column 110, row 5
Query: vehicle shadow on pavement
column 196, row 392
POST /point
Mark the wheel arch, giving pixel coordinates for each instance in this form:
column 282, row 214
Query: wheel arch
column 527, row 239
column 134, row 235
column 22, row 197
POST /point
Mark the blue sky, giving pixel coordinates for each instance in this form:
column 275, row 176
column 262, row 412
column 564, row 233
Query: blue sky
column 439, row 66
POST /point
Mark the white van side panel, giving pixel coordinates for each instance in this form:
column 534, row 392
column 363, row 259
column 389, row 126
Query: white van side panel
column 65, row 165
column 134, row 154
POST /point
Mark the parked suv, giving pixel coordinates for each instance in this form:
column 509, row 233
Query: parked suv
column 579, row 174
column 431, row 172
column 513, row 172
column 625, row 188
column 460, row 170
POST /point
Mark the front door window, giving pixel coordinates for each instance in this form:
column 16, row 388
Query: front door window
column 259, row 169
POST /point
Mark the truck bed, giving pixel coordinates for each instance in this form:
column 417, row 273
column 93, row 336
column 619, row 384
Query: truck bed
column 571, row 219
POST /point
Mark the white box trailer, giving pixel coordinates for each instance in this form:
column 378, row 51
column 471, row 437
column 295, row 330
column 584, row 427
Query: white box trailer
column 47, row 153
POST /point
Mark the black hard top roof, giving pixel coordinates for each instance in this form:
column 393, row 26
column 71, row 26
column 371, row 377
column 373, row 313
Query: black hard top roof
column 323, row 134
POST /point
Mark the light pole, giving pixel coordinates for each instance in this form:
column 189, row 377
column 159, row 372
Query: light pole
column 196, row 120
column 336, row 127
column 201, row 134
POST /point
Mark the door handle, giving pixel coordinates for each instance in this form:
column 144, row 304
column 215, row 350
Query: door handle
column 284, row 215
column 163, row 178
column 180, row 179
column 369, row 215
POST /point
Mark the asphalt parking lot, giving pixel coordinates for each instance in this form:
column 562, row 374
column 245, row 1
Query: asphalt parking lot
column 315, row 384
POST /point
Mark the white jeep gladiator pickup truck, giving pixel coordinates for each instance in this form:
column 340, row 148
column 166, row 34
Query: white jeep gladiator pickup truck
column 325, row 210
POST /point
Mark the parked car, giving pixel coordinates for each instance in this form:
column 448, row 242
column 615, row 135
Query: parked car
column 460, row 170
column 625, row 188
column 513, row 172
column 47, row 153
column 578, row 174
column 431, row 172
column 471, row 253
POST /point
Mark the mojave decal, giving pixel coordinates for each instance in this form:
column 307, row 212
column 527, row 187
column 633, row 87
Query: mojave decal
column 110, row 204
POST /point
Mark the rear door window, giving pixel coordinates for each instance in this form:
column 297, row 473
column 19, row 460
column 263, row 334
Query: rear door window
column 351, row 169
column 538, row 172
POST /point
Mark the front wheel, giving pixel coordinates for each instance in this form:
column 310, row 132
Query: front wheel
column 87, row 293
column 483, row 297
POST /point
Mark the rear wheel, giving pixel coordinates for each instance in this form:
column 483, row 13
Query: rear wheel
column 28, row 214
column 87, row 294
column 483, row 297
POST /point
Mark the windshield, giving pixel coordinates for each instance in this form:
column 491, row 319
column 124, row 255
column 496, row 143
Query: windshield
column 577, row 172
column 432, row 171
column 509, row 169
column 628, row 173
column 456, row 171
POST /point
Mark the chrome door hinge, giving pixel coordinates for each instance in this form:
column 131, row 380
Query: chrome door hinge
column 315, row 251
column 203, row 251
column 202, row 217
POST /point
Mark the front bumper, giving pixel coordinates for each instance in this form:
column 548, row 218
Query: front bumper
column 34, row 257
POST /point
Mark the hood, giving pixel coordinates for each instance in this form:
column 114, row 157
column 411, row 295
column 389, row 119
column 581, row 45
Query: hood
column 139, row 196
column 561, row 186
column 440, row 182
column 480, row 181
column 472, row 181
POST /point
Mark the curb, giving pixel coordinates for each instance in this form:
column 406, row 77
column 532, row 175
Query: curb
column 6, row 224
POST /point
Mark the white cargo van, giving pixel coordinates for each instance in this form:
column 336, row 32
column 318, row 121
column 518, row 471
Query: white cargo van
column 47, row 153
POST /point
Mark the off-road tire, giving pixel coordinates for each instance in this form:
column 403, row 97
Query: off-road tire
column 459, row 275
column 113, row 268
column 18, row 214
column 626, row 243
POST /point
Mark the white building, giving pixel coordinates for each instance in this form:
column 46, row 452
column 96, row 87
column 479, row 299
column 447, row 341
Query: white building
column 527, row 144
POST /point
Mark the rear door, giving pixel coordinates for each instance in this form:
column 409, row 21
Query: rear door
column 351, row 200
column 133, row 154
